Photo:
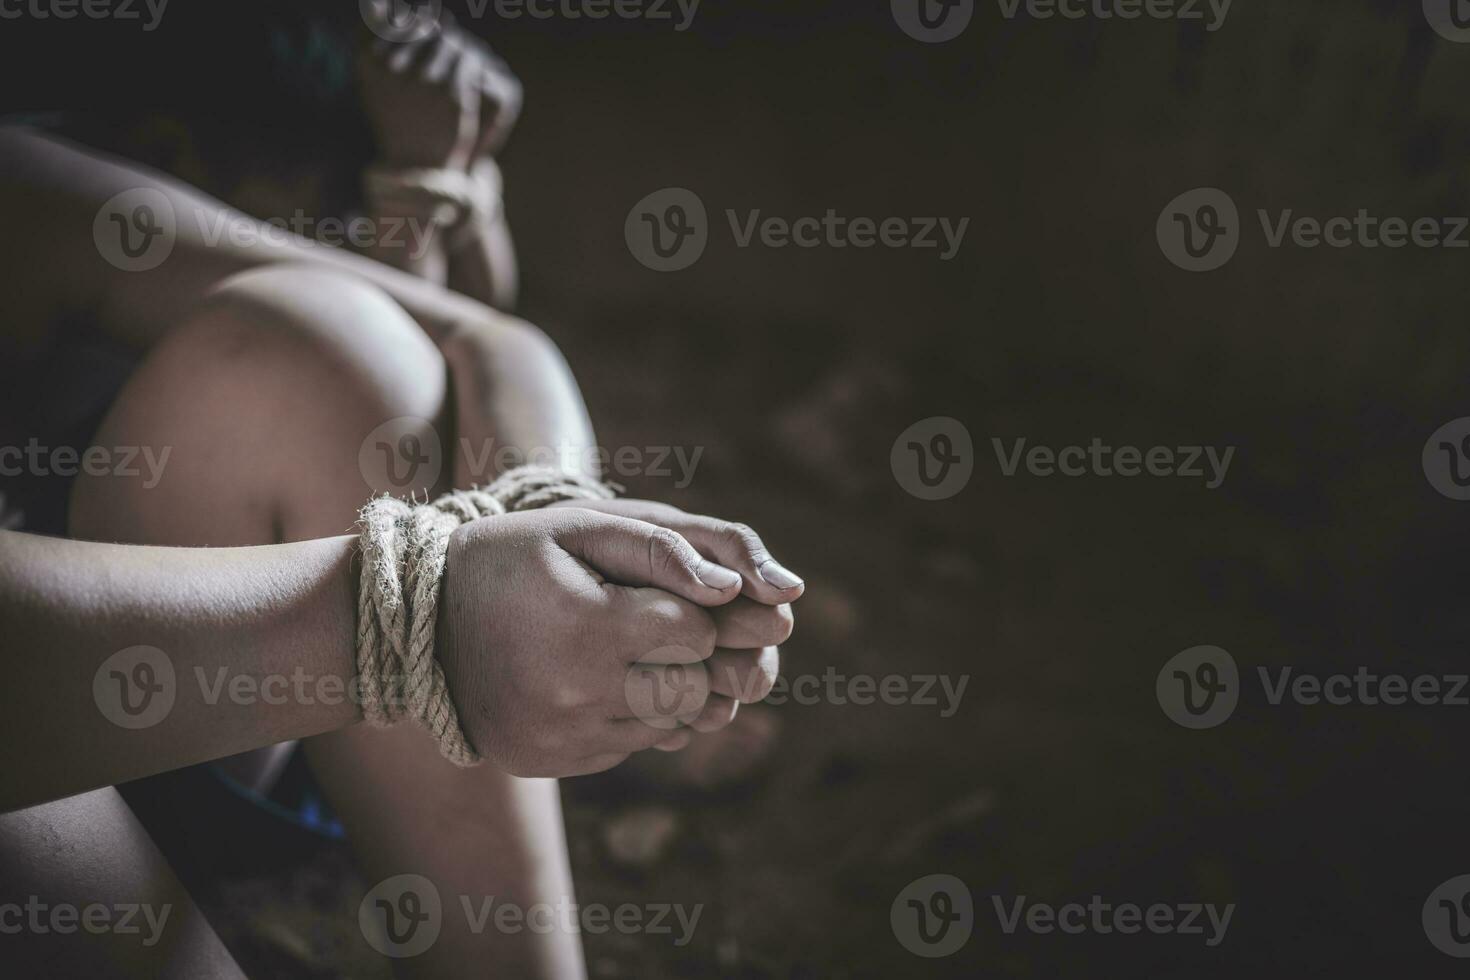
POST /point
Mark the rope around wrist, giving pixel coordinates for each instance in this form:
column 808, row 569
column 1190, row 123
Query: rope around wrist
column 403, row 548
column 458, row 201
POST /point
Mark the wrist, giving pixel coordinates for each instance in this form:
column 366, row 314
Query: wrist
column 438, row 195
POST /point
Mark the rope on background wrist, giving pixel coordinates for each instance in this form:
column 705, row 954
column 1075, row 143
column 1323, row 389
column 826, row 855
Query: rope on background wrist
column 461, row 202
column 403, row 547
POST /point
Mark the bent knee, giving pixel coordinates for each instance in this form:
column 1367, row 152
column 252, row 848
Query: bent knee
column 318, row 324
column 267, row 399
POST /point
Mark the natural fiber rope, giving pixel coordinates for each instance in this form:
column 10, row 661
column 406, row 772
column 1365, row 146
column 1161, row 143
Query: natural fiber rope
column 457, row 200
column 403, row 551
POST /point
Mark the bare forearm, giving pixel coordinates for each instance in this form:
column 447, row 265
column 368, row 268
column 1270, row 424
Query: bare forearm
column 251, row 646
column 515, row 402
column 502, row 368
column 466, row 247
column 484, row 266
column 59, row 188
column 410, row 240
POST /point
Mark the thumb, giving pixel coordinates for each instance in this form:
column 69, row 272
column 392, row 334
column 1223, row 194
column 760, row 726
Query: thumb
column 638, row 554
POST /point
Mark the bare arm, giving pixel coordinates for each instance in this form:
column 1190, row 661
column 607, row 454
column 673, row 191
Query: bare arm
column 53, row 191
column 446, row 104
column 236, row 636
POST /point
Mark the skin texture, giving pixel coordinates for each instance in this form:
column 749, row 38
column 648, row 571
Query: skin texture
column 444, row 102
column 285, row 369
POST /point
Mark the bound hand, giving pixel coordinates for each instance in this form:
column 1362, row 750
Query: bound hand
column 543, row 615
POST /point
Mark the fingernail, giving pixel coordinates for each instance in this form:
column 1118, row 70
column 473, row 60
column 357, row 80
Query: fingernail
column 776, row 574
column 717, row 576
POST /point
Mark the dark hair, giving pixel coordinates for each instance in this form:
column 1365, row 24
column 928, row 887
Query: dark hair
column 270, row 93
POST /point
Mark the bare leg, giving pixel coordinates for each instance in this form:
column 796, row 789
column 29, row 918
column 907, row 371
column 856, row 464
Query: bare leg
column 265, row 397
column 86, row 860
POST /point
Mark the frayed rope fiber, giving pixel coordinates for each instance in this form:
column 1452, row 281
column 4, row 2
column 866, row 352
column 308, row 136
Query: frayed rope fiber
column 403, row 548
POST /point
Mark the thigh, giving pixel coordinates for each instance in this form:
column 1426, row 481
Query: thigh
column 254, row 420
column 85, row 893
column 475, row 834
column 247, row 425
column 272, row 399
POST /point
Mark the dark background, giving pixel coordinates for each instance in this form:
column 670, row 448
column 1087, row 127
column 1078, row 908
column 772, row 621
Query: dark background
column 1060, row 320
